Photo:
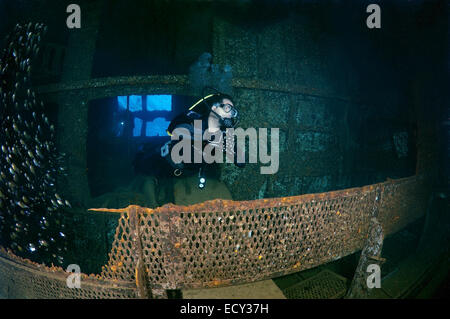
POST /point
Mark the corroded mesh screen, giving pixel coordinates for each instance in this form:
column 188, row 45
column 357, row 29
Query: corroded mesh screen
column 20, row 278
column 225, row 242
column 402, row 201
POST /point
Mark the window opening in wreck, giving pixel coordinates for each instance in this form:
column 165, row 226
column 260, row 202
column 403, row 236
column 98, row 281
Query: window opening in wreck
column 121, row 126
column 142, row 110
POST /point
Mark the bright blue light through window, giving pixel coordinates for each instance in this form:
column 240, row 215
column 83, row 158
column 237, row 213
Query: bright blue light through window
column 157, row 127
column 122, row 101
column 159, row 102
column 135, row 103
column 137, row 126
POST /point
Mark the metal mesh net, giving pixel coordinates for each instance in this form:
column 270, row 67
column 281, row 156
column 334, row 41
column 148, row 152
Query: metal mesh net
column 222, row 242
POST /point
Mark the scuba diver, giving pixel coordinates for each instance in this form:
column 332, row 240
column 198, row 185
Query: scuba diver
column 216, row 113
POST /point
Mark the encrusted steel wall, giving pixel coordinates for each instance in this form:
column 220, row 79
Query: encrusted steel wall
column 283, row 77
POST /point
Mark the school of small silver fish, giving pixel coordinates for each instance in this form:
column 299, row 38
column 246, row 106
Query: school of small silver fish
column 31, row 211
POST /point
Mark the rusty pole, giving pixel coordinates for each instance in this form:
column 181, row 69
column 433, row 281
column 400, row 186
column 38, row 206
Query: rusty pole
column 140, row 270
column 370, row 255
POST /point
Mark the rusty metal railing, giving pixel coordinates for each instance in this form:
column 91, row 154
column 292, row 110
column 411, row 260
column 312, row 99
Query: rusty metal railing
column 222, row 242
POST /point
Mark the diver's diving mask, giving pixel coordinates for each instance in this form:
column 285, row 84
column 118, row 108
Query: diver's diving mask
column 228, row 108
column 225, row 121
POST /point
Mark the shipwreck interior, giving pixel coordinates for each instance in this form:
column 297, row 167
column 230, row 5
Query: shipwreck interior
column 363, row 148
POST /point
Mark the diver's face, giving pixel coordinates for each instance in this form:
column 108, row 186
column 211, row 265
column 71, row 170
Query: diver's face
column 224, row 109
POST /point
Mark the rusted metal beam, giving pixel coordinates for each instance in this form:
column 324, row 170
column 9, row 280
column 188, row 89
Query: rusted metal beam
column 370, row 254
column 181, row 82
